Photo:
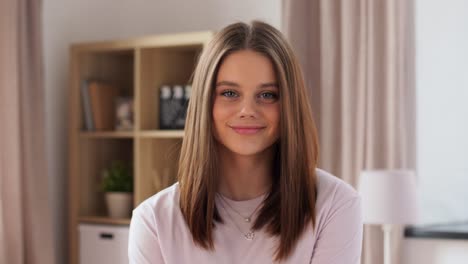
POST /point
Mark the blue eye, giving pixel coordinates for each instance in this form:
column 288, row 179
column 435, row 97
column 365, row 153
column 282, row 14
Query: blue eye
column 269, row 96
column 229, row 94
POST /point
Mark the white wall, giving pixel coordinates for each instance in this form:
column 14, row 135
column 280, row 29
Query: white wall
column 442, row 98
column 67, row 21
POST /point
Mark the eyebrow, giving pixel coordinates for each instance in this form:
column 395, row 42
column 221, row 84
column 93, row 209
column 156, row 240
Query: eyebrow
column 263, row 85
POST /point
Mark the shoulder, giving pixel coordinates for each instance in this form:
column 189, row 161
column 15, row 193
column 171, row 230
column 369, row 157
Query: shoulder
column 151, row 225
column 164, row 202
column 331, row 187
column 338, row 227
column 333, row 195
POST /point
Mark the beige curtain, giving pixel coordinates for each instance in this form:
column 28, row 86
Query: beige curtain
column 25, row 221
column 358, row 60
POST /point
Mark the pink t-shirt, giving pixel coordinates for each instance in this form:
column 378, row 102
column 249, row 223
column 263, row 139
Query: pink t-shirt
column 159, row 234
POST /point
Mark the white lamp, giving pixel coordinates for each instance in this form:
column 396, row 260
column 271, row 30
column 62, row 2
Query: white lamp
column 389, row 197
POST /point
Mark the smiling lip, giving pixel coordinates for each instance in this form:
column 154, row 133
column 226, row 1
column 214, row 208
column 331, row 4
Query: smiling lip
column 247, row 130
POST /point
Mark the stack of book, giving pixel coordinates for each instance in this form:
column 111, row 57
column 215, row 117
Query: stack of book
column 99, row 105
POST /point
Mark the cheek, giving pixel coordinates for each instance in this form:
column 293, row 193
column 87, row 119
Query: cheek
column 274, row 118
column 220, row 116
column 274, row 115
column 222, row 111
column 217, row 112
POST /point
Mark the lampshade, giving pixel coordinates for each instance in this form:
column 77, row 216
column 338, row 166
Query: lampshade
column 388, row 196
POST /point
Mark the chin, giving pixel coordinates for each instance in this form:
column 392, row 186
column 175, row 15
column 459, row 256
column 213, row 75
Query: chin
column 246, row 153
column 246, row 149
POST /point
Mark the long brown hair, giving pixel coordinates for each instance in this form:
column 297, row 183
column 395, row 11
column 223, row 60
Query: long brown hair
column 290, row 205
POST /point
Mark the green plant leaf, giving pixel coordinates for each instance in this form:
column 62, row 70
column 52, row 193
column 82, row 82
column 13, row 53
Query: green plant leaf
column 117, row 178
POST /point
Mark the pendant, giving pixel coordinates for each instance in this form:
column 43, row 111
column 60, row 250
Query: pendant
column 250, row 235
column 247, row 219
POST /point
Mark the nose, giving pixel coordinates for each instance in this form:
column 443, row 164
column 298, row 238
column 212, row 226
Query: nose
column 248, row 108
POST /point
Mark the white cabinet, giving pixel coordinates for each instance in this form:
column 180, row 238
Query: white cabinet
column 103, row 244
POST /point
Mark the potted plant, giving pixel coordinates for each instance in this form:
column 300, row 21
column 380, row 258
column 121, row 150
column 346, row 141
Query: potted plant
column 117, row 183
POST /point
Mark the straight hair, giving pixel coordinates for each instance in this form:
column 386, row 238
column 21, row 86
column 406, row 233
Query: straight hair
column 289, row 207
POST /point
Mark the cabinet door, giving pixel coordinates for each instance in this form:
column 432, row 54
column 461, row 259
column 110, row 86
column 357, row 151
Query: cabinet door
column 103, row 244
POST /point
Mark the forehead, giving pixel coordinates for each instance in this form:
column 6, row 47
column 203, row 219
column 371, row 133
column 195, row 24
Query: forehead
column 248, row 66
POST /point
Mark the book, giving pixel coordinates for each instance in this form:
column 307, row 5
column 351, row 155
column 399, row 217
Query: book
column 102, row 97
column 88, row 118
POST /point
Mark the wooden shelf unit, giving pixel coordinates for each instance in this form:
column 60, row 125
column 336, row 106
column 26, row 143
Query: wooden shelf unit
column 103, row 220
column 107, row 134
column 138, row 67
column 161, row 134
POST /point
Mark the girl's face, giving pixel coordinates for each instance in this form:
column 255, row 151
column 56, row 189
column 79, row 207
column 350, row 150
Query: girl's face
column 246, row 109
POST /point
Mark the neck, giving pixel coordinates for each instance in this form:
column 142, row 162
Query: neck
column 245, row 177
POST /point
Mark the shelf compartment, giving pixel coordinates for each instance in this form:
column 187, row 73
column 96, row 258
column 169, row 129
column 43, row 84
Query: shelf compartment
column 115, row 68
column 157, row 164
column 157, row 67
column 96, row 154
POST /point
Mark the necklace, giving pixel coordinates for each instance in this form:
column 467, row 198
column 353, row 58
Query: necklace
column 249, row 235
column 246, row 219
